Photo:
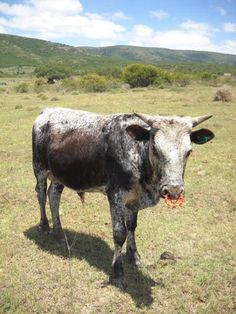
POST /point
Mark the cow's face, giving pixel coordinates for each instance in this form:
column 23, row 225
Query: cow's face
column 170, row 144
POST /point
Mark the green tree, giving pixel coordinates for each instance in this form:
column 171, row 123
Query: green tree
column 53, row 71
column 140, row 75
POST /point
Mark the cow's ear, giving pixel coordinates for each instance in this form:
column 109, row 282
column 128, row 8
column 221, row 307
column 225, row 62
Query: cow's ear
column 138, row 133
column 201, row 136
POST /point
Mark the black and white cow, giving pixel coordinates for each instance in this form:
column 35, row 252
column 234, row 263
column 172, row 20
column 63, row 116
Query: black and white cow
column 133, row 158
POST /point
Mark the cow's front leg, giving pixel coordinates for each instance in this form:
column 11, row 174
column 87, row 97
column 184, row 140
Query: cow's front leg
column 116, row 201
column 131, row 248
column 54, row 196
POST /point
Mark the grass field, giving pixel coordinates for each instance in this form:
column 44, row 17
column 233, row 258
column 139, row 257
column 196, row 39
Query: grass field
column 38, row 275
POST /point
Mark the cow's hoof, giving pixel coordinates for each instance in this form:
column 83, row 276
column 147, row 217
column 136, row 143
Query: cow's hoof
column 44, row 228
column 134, row 258
column 58, row 235
column 118, row 282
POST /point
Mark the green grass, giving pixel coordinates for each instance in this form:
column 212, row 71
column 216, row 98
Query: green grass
column 36, row 273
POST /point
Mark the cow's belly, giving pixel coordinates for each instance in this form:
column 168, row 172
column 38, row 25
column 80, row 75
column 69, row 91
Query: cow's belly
column 79, row 175
column 77, row 158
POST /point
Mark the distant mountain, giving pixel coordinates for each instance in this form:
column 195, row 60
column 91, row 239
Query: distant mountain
column 22, row 51
column 162, row 55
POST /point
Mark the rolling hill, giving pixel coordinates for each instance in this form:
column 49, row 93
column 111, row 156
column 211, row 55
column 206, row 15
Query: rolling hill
column 22, row 51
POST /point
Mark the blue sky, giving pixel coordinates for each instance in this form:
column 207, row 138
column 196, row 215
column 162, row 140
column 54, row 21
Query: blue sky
column 205, row 25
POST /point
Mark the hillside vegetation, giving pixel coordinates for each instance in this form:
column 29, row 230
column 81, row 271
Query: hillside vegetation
column 20, row 51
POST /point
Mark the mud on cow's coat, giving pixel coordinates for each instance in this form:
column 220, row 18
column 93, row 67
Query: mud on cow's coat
column 135, row 159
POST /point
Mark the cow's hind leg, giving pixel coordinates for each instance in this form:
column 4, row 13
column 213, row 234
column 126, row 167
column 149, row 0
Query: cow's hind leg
column 131, row 249
column 41, row 189
column 119, row 237
column 54, row 196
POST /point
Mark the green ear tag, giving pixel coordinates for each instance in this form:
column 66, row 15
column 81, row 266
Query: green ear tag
column 202, row 140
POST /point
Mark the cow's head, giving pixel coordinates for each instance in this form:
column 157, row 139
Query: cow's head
column 170, row 144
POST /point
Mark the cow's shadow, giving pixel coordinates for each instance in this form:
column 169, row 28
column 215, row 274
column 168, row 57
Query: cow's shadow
column 98, row 254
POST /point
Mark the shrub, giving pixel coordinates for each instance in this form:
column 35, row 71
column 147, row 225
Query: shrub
column 70, row 84
column 110, row 72
column 206, row 76
column 39, row 84
column 163, row 78
column 93, row 82
column 55, row 99
column 2, row 90
column 169, row 78
column 181, row 79
column 18, row 107
column 22, row 88
column 140, row 75
column 53, row 71
column 223, row 94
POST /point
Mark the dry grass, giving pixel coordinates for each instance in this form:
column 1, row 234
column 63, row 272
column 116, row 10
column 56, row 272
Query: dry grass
column 223, row 94
column 35, row 269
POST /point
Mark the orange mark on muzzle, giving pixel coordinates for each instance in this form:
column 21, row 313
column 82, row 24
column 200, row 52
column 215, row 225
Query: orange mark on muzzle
column 174, row 203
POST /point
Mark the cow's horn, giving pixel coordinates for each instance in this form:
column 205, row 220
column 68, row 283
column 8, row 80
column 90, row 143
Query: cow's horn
column 145, row 117
column 199, row 120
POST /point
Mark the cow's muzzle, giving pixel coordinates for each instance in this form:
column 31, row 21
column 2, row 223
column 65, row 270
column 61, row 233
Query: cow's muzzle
column 172, row 191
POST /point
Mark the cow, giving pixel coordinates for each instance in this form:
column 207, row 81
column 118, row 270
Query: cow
column 134, row 159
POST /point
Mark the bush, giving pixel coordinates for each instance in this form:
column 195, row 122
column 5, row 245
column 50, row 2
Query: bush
column 110, row 72
column 206, row 76
column 181, row 79
column 163, row 78
column 22, row 88
column 223, row 94
column 93, row 82
column 39, row 84
column 170, row 78
column 140, row 75
column 70, row 84
column 53, row 71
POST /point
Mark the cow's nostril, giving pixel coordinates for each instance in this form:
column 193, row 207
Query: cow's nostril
column 164, row 191
column 173, row 191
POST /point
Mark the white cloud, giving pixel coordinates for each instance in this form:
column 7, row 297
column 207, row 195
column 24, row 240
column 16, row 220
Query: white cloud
column 160, row 14
column 230, row 46
column 120, row 15
column 3, row 30
column 58, row 6
column 140, row 35
column 189, row 36
column 190, row 25
column 221, row 11
column 58, row 19
column 172, row 39
column 106, row 44
column 178, row 39
column 230, row 27
column 142, row 31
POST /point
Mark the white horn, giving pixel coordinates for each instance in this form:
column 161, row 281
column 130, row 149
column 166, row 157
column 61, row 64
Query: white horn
column 199, row 120
column 146, row 118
